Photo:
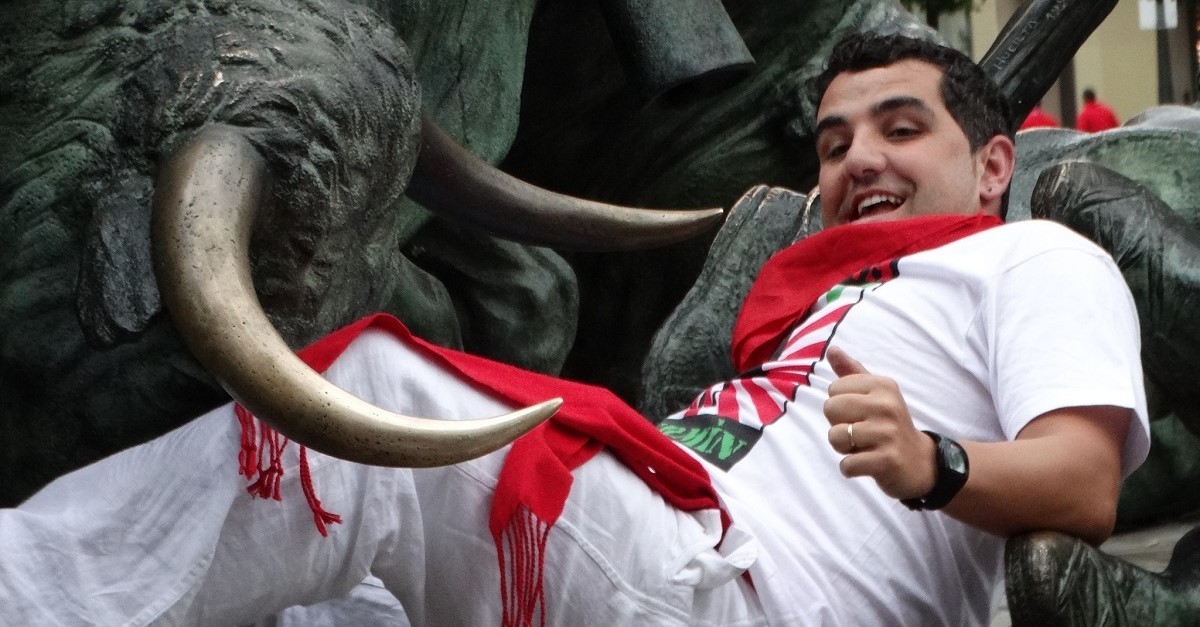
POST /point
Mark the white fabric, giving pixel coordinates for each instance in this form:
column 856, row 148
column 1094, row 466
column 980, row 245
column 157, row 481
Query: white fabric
column 166, row 534
column 369, row 604
column 983, row 335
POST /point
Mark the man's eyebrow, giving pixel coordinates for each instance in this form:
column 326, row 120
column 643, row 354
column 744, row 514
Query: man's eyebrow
column 829, row 122
column 885, row 106
column 900, row 102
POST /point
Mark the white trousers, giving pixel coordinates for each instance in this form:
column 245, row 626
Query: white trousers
column 165, row 533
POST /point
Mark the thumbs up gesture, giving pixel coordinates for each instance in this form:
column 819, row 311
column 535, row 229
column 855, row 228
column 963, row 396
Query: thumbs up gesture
column 871, row 426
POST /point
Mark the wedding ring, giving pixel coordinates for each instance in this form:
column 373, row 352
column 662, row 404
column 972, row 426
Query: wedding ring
column 850, row 434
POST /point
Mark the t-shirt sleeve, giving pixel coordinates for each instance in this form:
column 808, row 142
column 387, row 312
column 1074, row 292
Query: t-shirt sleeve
column 1063, row 332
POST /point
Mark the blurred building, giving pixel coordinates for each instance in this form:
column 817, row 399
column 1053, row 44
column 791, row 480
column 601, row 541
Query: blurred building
column 1130, row 68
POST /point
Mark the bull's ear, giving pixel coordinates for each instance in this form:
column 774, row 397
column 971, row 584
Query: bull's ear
column 116, row 296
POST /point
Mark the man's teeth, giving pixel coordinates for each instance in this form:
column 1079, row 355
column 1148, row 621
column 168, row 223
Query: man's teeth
column 870, row 202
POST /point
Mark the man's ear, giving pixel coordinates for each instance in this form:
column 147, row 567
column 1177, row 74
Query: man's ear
column 996, row 161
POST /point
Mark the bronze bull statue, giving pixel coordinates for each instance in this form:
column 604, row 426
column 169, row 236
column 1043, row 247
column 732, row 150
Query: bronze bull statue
column 216, row 155
column 261, row 151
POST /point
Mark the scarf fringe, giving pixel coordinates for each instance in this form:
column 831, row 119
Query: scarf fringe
column 521, row 551
column 321, row 517
column 266, row 478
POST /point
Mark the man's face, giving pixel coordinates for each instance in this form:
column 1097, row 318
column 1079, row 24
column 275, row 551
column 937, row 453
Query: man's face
column 889, row 149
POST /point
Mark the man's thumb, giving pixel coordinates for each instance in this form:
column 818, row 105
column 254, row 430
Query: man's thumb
column 843, row 364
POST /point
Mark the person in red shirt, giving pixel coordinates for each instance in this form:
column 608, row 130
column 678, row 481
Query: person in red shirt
column 1096, row 116
column 1038, row 118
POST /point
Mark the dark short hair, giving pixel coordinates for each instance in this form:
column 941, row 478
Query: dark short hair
column 972, row 99
column 1089, row 94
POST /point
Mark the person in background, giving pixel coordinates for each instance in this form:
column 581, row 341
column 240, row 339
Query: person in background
column 1095, row 116
column 1038, row 118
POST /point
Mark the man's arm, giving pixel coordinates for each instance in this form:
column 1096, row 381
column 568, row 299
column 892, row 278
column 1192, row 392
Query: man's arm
column 1062, row 472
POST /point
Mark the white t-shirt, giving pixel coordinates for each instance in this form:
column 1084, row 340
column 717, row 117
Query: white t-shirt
column 982, row 335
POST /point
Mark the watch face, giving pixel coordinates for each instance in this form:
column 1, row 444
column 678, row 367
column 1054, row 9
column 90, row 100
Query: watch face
column 955, row 457
column 952, row 469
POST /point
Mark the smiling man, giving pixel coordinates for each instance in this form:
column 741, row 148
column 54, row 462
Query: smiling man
column 918, row 381
column 999, row 388
column 890, row 148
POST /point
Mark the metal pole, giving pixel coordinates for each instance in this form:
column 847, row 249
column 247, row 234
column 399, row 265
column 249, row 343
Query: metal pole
column 1166, row 88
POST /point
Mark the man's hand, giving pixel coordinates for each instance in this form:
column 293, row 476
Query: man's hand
column 871, row 426
column 1062, row 472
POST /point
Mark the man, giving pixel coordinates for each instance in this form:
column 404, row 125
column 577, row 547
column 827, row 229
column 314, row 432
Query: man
column 1095, row 116
column 951, row 384
column 1038, row 118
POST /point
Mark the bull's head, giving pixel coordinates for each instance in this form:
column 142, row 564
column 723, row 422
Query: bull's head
column 211, row 195
column 277, row 141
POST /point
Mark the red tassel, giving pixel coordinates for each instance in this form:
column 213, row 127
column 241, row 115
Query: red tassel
column 521, row 551
column 270, row 476
column 258, row 438
column 320, row 517
column 248, row 453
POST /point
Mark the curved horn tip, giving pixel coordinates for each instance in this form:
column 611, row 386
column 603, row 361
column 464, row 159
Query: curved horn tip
column 480, row 440
column 539, row 413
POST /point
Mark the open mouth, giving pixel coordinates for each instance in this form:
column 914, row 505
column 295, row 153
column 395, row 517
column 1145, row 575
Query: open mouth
column 876, row 204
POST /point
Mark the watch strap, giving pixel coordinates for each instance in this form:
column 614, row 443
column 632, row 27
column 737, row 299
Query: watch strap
column 952, row 468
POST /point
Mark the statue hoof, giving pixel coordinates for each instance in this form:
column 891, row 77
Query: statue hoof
column 1055, row 579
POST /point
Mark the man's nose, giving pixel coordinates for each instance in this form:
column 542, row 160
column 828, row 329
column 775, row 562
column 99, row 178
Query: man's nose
column 865, row 158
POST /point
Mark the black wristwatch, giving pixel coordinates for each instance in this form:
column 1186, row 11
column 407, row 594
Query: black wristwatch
column 952, row 470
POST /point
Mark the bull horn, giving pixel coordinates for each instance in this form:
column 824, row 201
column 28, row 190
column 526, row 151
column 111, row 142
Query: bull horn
column 204, row 206
column 452, row 182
